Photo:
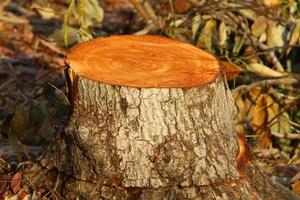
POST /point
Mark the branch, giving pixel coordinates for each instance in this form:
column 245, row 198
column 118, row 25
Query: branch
column 286, row 135
column 280, row 81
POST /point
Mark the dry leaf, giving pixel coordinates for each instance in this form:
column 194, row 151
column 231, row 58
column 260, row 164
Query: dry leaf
column 16, row 182
column 263, row 38
column 240, row 114
column 252, row 57
column 263, row 70
column 44, row 12
column 181, row 6
column 259, row 26
column 296, row 187
column 23, row 195
column 238, row 44
column 294, row 36
column 248, row 13
column 19, row 125
column 195, row 24
column 275, row 34
column 259, row 115
column 222, row 34
column 271, row 3
column 281, row 123
column 260, row 119
column 206, row 35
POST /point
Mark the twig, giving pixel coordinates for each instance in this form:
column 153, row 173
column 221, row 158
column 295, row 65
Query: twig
column 3, row 85
column 286, row 135
column 14, row 20
column 150, row 10
column 253, row 40
column 148, row 28
column 140, row 9
column 280, row 81
column 273, row 58
column 148, row 14
column 52, row 47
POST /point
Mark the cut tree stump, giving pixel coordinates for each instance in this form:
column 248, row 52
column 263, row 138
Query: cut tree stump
column 152, row 119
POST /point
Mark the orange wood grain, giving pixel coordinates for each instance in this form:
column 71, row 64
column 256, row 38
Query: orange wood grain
column 143, row 61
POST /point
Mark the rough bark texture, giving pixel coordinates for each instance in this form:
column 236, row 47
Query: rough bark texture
column 153, row 137
column 150, row 143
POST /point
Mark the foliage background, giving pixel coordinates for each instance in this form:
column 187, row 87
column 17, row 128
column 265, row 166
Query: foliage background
column 257, row 43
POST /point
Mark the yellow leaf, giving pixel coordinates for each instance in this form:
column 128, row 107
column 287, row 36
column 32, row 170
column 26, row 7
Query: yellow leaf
column 240, row 114
column 195, row 24
column 248, row 13
column 279, row 120
column 275, row 34
column 263, row 70
column 206, row 35
column 259, row 121
column 87, row 11
column 222, row 33
column 238, row 44
column 259, row 115
column 294, row 36
column 44, row 12
column 271, row 3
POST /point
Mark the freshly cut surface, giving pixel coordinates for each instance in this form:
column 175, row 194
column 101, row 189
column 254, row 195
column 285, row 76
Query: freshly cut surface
column 144, row 62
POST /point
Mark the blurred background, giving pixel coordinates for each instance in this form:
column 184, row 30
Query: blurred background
column 256, row 41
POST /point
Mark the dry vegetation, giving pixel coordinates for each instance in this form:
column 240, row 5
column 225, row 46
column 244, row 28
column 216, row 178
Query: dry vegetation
column 257, row 43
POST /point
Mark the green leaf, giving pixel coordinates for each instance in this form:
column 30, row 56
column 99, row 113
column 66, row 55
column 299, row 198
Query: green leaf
column 87, row 11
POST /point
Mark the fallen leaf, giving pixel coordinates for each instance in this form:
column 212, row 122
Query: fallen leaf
column 248, row 13
column 296, row 187
column 45, row 12
column 19, row 125
column 181, row 6
column 259, row 26
column 196, row 21
column 263, row 70
column 23, row 195
column 259, row 115
column 271, row 3
column 240, row 114
column 294, row 36
column 206, row 35
column 16, row 182
column 238, row 44
column 222, row 34
column 275, row 33
column 260, row 119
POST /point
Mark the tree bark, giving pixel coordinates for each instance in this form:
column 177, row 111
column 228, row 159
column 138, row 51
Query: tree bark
column 160, row 141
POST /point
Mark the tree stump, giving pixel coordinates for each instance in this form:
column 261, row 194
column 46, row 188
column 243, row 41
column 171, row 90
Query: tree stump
column 152, row 119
